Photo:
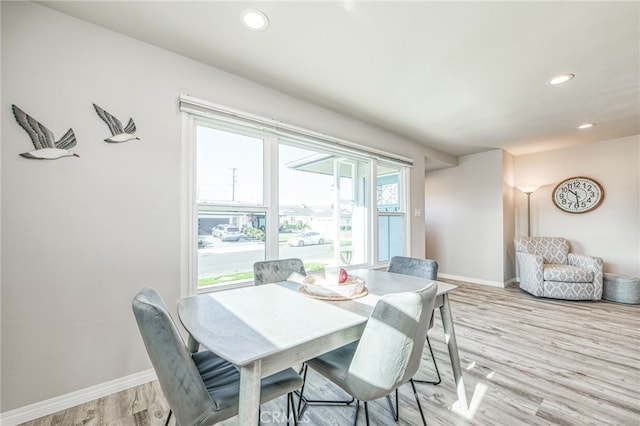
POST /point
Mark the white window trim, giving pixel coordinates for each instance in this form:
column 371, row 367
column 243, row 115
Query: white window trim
column 373, row 213
column 404, row 180
column 228, row 115
column 270, row 196
column 189, row 211
column 195, row 111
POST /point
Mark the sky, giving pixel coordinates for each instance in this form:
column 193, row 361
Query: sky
column 230, row 167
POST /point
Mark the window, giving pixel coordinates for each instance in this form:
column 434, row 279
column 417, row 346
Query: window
column 322, row 202
column 259, row 193
column 391, row 211
column 229, row 167
column 231, row 212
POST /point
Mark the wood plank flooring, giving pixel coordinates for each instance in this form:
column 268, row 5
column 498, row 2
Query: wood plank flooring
column 526, row 361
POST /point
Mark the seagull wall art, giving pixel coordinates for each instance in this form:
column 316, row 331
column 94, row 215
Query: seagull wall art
column 118, row 134
column 43, row 140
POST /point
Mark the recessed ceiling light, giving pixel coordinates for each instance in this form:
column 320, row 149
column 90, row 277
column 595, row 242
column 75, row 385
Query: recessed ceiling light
column 586, row 126
column 562, row 78
column 255, row 19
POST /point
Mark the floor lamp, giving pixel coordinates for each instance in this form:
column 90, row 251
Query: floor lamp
column 528, row 190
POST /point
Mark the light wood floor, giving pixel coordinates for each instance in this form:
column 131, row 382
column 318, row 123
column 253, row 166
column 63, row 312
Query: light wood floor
column 526, row 361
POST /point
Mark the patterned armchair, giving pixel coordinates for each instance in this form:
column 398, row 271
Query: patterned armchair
column 547, row 269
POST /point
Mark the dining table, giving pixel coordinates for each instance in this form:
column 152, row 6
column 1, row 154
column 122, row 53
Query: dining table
column 267, row 328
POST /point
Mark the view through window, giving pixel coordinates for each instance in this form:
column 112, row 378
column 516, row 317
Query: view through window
column 322, row 209
column 231, row 212
column 322, row 213
column 391, row 212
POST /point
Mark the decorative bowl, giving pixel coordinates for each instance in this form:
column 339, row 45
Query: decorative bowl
column 319, row 285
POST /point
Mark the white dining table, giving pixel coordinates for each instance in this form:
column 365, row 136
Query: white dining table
column 268, row 328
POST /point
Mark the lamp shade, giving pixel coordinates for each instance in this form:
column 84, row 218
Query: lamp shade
column 528, row 189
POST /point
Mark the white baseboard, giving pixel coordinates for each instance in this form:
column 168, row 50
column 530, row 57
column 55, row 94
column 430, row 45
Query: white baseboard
column 63, row 402
column 475, row 280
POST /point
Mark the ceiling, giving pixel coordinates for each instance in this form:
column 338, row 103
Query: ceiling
column 459, row 77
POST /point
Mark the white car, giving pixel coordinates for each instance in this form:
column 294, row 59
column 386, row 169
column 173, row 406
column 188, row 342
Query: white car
column 226, row 232
column 306, row 239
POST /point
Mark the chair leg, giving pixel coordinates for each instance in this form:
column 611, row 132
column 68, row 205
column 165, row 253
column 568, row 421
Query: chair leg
column 366, row 413
column 288, row 407
column 303, row 402
column 435, row 364
column 168, row 417
column 291, row 409
column 415, row 393
column 395, row 412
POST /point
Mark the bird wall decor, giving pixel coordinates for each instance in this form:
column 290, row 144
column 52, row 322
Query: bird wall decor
column 118, row 134
column 43, row 140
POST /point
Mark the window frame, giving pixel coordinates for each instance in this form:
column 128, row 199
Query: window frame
column 404, row 194
column 270, row 202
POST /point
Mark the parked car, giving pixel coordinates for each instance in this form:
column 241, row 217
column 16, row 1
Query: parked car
column 226, row 232
column 306, row 239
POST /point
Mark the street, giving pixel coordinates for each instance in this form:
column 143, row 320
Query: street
column 228, row 257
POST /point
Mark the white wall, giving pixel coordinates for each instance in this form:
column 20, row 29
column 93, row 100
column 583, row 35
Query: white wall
column 612, row 230
column 82, row 235
column 464, row 218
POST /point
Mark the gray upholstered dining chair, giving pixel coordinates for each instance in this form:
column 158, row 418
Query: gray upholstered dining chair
column 273, row 271
column 423, row 268
column 201, row 388
column 388, row 353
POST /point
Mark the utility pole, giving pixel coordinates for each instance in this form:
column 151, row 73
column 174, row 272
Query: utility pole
column 234, row 180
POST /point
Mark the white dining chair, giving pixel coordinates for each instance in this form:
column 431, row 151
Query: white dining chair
column 423, row 268
column 388, row 353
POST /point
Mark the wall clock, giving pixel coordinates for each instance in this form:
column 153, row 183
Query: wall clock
column 577, row 194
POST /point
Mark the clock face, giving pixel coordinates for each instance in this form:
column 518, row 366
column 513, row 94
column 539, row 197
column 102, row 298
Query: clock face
column 578, row 195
